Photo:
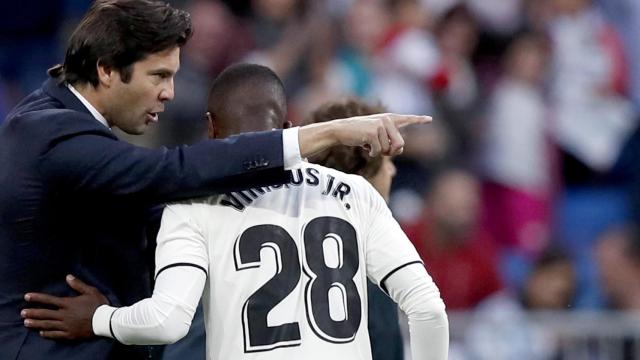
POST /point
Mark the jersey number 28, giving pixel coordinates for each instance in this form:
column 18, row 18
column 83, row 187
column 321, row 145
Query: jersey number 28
column 323, row 279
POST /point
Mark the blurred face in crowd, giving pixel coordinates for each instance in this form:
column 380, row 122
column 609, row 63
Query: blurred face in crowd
column 276, row 10
column 570, row 6
column 430, row 144
column 366, row 25
column 381, row 181
column 412, row 13
column 454, row 202
column 458, row 36
column 551, row 286
column 527, row 60
column 208, row 44
column 618, row 270
column 538, row 13
column 132, row 106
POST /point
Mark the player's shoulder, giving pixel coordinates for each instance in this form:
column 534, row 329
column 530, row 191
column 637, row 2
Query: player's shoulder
column 202, row 201
column 193, row 205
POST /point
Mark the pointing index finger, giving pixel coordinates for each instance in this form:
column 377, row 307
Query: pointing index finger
column 405, row 120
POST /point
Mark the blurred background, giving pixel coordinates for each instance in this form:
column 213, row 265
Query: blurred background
column 522, row 196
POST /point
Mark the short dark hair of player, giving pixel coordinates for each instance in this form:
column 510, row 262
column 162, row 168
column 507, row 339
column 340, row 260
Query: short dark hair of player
column 243, row 76
column 118, row 33
column 350, row 160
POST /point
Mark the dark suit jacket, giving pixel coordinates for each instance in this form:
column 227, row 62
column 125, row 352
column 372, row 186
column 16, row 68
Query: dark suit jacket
column 74, row 199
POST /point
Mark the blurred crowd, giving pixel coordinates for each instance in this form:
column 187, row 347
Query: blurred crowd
column 522, row 194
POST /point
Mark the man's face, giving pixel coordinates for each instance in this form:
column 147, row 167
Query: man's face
column 455, row 202
column 552, row 286
column 136, row 104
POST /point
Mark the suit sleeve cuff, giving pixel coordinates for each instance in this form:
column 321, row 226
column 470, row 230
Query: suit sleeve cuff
column 291, row 148
column 101, row 320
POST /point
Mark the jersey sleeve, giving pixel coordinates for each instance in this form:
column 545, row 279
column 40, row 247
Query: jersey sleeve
column 418, row 297
column 181, row 241
column 181, row 272
column 387, row 248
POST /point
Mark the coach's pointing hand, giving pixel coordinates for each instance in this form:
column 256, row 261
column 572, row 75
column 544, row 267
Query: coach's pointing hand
column 377, row 133
column 72, row 317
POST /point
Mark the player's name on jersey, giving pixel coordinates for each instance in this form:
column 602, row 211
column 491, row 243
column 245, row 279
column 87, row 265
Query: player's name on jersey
column 300, row 177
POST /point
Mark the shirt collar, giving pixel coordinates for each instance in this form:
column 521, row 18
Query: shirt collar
column 96, row 114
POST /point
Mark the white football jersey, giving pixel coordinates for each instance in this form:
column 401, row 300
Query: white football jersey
column 287, row 265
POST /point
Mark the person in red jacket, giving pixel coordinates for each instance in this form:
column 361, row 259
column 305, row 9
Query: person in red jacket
column 459, row 255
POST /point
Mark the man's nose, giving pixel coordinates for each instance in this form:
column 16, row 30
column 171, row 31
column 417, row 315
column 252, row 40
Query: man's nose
column 167, row 93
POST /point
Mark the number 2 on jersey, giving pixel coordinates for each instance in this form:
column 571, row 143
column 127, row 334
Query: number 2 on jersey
column 258, row 336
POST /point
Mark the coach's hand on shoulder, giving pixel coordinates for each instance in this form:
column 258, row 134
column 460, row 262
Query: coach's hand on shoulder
column 378, row 133
column 72, row 317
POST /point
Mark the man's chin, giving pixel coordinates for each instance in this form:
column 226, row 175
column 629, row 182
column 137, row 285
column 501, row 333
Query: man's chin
column 136, row 131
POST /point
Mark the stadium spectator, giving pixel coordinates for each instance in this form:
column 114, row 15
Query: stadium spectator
column 350, row 70
column 406, row 60
column 592, row 121
column 517, row 153
column 502, row 328
column 457, row 35
column 284, row 33
column 618, row 256
column 461, row 256
column 589, row 88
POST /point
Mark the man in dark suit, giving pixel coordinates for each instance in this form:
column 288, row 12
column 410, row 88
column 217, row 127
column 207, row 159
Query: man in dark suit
column 74, row 199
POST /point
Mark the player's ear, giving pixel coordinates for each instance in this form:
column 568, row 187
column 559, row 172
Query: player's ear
column 211, row 125
column 287, row 124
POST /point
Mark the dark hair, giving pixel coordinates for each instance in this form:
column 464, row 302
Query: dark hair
column 244, row 74
column 457, row 13
column 552, row 256
column 118, row 33
column 351, row 160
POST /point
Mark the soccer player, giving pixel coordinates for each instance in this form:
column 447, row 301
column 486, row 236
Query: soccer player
column 282, row 269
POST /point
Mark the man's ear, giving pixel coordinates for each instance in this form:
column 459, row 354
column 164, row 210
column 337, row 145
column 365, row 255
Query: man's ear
column 211, row 126
column 105, row 74
column 287, row 124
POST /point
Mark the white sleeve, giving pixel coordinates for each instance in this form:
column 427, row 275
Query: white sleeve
column 164, row 318
column 387, row 248
column 394, row 264
column 291, row 148
column 181, row 273
column 418, row 297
